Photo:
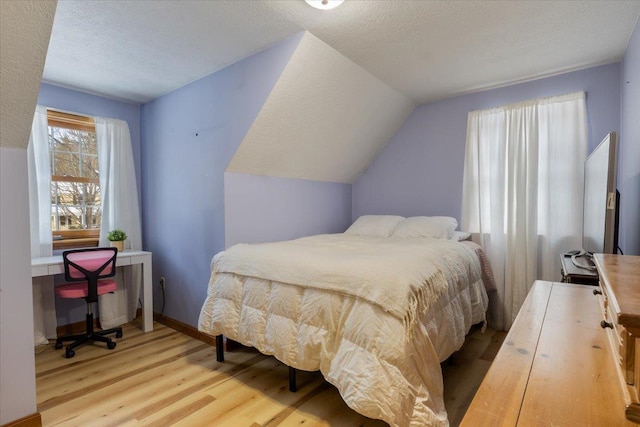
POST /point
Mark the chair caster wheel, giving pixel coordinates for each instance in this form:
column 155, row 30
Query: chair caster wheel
column 119, row 334
column 58, row 345
column 69, row 353
column 111, row 345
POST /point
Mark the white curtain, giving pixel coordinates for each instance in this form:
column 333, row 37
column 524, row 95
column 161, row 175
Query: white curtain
column 39, row 170
column 522, row 192
column 118, row 188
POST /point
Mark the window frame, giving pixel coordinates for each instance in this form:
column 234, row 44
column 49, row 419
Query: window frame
column 73, row 238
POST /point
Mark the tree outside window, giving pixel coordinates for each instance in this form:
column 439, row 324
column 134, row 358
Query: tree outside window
column 75, row 176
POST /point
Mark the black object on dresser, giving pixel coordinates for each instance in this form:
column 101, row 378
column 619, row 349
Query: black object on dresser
column 573, row 274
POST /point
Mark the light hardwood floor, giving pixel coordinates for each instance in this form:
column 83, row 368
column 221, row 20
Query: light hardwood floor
column 165, row 378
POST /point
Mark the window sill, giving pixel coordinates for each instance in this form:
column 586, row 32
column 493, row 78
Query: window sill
column 87, row 242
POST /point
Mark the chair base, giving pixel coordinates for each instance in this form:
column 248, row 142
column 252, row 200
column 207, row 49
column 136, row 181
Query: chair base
column 89, row 336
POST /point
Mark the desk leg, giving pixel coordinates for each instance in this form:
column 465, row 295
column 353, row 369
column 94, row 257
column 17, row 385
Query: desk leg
column 147, row 299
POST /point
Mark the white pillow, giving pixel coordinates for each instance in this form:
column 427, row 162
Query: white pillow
column 374, row 225
column 439, row 227
column 459, row 236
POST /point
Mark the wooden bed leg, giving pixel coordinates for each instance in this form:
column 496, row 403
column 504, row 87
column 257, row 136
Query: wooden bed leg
column 219, row 348
column 292, row 380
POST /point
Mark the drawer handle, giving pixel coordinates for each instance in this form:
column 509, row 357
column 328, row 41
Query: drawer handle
column 604, row 324
column 597, row 292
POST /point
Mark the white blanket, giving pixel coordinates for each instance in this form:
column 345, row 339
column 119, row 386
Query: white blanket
column 374, row 315
column 402, row 276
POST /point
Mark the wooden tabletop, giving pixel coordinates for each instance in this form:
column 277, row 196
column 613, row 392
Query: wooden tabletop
column 554, row 368
column 621, row 275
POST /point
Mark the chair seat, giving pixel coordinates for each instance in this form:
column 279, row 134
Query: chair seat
column 81, row 289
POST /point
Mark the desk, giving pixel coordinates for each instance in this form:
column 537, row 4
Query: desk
column 51, row 265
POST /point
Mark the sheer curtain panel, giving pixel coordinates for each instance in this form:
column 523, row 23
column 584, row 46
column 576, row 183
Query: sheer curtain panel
column 120, row 209
column 522, row 192
column 39, row 170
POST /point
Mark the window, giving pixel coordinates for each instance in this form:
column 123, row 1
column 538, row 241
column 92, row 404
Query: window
column 522, row 190
column 75, row 180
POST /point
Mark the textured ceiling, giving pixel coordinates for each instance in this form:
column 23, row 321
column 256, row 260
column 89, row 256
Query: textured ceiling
column 138, row 50
column 24, row 33
column 325, row 120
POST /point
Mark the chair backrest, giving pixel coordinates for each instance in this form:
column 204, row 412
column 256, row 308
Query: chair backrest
column 89, row 265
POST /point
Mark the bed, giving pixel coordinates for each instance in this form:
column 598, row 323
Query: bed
column 375, row 309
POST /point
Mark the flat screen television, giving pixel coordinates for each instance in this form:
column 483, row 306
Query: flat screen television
column 601, row 200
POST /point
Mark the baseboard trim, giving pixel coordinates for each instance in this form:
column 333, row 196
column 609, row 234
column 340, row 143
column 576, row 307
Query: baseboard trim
column 79, row 327
column 184, row 328
column 229, row 345
column 33, row 420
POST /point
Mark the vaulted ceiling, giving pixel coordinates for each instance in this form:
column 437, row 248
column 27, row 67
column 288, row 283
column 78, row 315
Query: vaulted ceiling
column 356, row 74
column 326, row 119
column 138, row 50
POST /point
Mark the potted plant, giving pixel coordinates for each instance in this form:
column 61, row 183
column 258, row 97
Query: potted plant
column 117, row 238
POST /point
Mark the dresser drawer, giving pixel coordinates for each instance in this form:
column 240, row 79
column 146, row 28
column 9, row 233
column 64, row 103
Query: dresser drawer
column 621, row 342
column 620, row 306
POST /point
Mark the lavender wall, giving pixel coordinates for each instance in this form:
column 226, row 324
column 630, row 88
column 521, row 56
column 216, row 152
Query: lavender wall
column 188, row 138
column 420, row 171
column 629, row 149
column 69, row 310
column 265, row 209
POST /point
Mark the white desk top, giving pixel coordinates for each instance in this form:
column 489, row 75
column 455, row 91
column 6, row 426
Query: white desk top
column 50, row 265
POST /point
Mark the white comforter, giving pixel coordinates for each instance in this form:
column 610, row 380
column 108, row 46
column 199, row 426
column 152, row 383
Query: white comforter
column 374, row 315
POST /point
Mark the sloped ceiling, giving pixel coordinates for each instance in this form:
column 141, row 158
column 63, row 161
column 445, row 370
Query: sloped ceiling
column 25, row 27
column 427, row 49
column 326, row 119
column 135, row 51
column 349, row 85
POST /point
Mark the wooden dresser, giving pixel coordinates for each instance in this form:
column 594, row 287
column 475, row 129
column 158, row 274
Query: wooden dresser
column 620, row 305
column 555, row 367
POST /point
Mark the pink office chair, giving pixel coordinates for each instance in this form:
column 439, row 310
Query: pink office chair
column 88, row 270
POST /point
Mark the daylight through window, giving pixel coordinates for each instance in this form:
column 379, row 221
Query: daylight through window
column 75, row 176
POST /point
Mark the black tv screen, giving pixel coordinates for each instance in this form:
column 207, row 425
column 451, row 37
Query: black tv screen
column 600, row 214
